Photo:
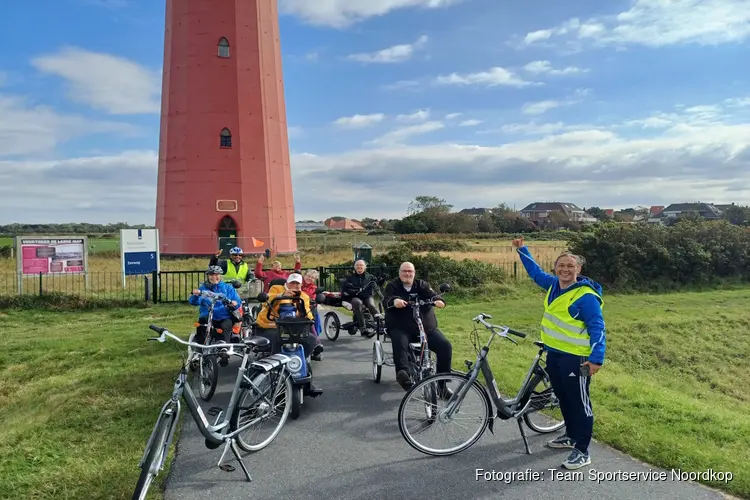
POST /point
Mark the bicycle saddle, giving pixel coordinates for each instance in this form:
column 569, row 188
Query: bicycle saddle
column 258, row 342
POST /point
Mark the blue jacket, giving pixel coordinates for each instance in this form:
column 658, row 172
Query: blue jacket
column 220, row 311
column 586, row 308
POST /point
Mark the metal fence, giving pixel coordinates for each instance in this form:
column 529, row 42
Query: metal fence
column 170, row 286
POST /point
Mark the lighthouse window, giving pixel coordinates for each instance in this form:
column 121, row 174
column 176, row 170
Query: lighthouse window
column 223, row 48
column 225, row 138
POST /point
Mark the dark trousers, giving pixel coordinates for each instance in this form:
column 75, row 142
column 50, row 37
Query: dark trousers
column 572, row 390
column 272, row 334
column 357, row 308
column 224, row 324
column 436, row 342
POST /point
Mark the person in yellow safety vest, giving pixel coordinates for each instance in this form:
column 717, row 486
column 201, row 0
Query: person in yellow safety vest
column 234, row 268
column 573, row 333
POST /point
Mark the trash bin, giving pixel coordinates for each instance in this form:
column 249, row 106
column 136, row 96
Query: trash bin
column 362, row 251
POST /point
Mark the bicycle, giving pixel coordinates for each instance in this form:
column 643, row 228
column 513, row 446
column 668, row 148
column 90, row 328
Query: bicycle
column 205, row 360
column 257, row 393
column 421, row 361
column 528, row 400
column 332, row 324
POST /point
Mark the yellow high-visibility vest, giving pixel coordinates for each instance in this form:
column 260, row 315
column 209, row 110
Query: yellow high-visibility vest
column 559, row 329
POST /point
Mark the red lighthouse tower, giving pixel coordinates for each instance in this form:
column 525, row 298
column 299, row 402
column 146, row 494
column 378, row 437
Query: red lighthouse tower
column 224, row 174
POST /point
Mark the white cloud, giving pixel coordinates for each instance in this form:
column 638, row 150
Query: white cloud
column 399, row 135
column 545, row 68
column 359, row 121
column 469, row 123
column 537, row 108
column 395, row 54
column 417, row 116
column 128, row 180
column 451, row 116
column 104, row 81
column 493, row 77
column 657, row 23
column 34, row 129
column 344, row 13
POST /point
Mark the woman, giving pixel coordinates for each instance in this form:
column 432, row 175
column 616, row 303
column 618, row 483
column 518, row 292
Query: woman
column 573, row 333
column 309, row 285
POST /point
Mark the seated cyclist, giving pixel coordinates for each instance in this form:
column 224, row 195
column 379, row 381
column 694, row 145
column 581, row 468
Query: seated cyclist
column 355, row 291
column 223, row 318
column 273, row 309
column 403, row 329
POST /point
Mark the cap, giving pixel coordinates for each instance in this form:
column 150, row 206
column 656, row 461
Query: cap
column 294, row 277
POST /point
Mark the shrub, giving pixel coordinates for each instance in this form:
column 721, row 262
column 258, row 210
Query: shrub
column 639, row 256
column 436, row 245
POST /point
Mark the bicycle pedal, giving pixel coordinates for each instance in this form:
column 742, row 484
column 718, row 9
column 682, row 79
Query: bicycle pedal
column 214, row 410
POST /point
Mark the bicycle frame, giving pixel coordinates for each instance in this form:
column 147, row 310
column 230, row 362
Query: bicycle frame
column 215, row 434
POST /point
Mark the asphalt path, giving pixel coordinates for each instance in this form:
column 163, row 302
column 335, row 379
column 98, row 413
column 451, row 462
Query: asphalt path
column 346, row 445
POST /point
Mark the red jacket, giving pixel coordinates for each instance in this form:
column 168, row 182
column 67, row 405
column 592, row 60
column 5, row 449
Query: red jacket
column 309, row 289
column 270, row 275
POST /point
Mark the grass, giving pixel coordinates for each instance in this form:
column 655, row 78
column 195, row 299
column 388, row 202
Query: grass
column 78, row 401
column 673, row 391
column 79, row 394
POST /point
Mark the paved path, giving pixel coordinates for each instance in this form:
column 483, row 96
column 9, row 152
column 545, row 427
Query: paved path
column 346, row 446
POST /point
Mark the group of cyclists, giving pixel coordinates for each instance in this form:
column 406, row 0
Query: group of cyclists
column 572, row 326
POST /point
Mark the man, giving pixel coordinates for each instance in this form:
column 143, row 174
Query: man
column 223, row 318
column 275, row 273
column 266, row 326
column 355, row 291
column 402, row 328
column 234, row 268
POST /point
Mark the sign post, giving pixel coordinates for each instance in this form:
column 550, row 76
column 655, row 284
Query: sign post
column 51, row 255
column 139, row 252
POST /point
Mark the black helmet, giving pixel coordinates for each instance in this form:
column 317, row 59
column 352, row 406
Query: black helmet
column 214, row 270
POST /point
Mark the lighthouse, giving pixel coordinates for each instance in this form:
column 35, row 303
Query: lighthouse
column 224, row 176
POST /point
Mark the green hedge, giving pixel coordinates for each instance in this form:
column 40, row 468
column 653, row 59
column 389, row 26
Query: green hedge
column 653, row 257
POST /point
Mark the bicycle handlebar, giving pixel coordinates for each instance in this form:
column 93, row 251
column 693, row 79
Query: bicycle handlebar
column 493, row 328
column 164, row 333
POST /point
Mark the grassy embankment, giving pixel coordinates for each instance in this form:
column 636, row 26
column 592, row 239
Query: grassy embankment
column 78, row 402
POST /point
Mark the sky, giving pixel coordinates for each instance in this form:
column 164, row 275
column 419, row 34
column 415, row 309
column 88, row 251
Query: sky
column 613, row 104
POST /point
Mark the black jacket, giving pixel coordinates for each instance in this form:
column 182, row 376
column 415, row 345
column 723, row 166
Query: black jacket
column 403, row 319
column 353, row 283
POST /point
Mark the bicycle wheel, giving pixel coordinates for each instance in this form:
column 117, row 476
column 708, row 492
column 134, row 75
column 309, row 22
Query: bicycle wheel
column 273, row 404
column 331, row 325
column 473, row 410
column 153, row 459
column 543, row 398
column 209, row 376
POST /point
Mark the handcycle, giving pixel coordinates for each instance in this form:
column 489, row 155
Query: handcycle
column 260, row 388
column 534, row 395
column 332, row 324
column 292, row 331
column 204, row 361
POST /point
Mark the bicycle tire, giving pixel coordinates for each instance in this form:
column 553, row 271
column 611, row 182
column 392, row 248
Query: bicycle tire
column 457, row 449
column 531, row 425
column 213, row 378
column 235, row 421
column 333, row 318
column 146, row 477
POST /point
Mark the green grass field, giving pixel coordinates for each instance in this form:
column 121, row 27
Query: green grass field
column 79, row 391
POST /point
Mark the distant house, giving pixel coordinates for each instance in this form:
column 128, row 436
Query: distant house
column 539, row 212
column 670, row 213
column 343, row 223
column 310, row 226
column 609, row 212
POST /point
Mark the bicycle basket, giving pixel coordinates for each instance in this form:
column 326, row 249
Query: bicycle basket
column 294, row 327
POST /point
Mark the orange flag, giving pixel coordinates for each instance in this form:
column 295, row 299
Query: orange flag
column 256, row 243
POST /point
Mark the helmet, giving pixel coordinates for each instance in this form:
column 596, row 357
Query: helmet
column 236, row 251
column 214, row 270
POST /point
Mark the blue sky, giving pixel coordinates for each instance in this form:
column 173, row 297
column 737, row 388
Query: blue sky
column 615, row 104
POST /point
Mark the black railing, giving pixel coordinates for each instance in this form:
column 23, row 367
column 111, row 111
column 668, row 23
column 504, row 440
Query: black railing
column 167, row 286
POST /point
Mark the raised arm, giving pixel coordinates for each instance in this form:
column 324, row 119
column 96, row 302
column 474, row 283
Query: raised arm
column 215, row 261
column 297, row 263
column 259, row 270
column 536, row 273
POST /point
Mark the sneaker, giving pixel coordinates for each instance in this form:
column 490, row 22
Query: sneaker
column 403, row 379
column 561, row 442
column 576, row 459
column 316, row 352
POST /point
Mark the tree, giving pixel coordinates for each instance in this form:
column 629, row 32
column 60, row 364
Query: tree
column 737, row 215
column 597, row 213
column 431, row 204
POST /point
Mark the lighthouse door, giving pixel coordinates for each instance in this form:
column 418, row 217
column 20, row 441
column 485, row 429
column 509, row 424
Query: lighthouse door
column 227, row 233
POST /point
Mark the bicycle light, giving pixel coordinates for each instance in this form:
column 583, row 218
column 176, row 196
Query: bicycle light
column 295, row 364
